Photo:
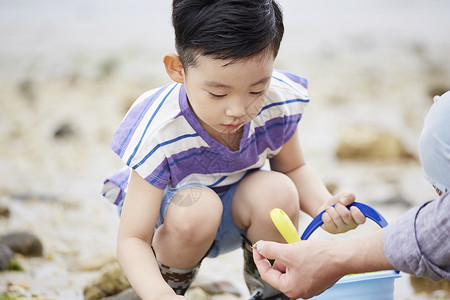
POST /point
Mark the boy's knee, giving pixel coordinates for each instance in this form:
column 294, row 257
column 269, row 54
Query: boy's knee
column 278, row 186
column 198, row 214
column 286, row 195
column 278, row 190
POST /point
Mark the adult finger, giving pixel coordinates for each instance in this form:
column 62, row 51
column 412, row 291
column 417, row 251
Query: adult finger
column 261, row 262
column 271, row 250
column 277, row 265
column 269, row 274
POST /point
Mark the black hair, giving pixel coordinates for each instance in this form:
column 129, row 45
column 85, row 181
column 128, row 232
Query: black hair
column 226, row 29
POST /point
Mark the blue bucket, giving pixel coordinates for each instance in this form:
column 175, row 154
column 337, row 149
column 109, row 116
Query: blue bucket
column 365, row 286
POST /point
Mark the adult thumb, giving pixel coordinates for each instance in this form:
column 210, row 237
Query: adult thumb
column 270, row 250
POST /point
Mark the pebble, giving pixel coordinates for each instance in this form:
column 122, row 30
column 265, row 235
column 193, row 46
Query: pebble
column 24, row 243
column 64, row 131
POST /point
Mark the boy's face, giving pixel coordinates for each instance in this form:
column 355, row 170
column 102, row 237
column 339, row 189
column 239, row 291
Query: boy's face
column 225, row 97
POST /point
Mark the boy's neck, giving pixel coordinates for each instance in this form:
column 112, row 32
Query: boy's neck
column 231, row 140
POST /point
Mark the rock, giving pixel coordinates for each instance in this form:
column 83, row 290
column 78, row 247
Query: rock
column 128, row 294
column 197, row 293
column 64, row 131
column 364, row 142
column 218, row 287
column 18, row 287
column 437, row 90
column 6, row 256
column 94, row 262
column 110, row 282
column 24, row 243
column 4, row 211
column 422, row 285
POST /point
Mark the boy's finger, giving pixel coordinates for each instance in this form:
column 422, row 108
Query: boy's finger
column 328, row 223
column 346, row 215
column 335, row 217
column 357, row 215
column 344, row 198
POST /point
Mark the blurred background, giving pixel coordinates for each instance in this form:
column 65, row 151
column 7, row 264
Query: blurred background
column 69, row 70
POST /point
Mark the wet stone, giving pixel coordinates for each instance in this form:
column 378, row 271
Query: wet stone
column 4, row 211
column 111, row 281
column 24, row 243
column 128, row 294
column 6, row 255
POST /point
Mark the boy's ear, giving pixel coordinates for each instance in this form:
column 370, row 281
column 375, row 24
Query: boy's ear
column 174, row 68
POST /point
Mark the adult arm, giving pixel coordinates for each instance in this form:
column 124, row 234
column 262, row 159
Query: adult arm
column 307, row 268
column 415, row 243
column 418, row 242
column 137, row 222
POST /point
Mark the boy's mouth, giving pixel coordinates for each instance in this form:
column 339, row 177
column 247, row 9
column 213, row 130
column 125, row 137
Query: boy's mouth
column 232, row 125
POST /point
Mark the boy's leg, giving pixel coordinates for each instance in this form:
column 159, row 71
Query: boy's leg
column 252, row 202
column 178, row 279
column 183, row 239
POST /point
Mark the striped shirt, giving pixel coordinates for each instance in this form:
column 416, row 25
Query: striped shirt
column 162, row 140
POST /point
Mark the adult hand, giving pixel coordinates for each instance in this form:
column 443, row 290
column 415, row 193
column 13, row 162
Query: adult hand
column 174, row 297
column 339, row 218
column 300, row 270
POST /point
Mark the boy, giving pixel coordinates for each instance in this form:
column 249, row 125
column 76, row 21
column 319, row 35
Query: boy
column 196, row 148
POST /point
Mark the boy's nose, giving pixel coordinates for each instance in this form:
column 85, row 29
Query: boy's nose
column 236, row 110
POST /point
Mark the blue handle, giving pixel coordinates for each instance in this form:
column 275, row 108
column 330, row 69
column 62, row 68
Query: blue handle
column 368, row 211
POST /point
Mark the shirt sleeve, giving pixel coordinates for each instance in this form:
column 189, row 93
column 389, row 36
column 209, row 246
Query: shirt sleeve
column 135, row 143
column 418, row 242
column 283, row 109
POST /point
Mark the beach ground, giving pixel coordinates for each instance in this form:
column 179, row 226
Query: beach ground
column 69, row 72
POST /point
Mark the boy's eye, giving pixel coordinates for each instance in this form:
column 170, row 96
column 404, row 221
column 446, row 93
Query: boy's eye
column 257, row 93
column 216, row 96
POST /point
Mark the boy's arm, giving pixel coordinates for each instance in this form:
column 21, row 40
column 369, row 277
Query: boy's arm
column 137, row 223
column 311, row 190
column 313, row 194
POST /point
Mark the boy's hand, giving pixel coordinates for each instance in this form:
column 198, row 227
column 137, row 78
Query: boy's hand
column 339, row 219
